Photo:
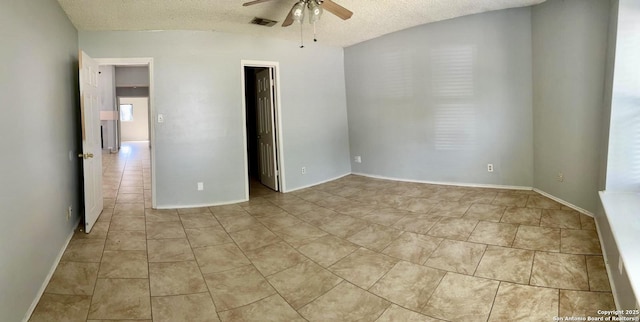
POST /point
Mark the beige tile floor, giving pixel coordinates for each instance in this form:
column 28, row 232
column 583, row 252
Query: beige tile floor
column 352, row 249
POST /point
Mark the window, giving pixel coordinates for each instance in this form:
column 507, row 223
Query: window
column 126, row 112
column 453, row 79
column 623, row 163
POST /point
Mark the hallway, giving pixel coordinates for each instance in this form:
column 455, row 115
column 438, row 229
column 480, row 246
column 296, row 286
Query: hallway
column 127, row 176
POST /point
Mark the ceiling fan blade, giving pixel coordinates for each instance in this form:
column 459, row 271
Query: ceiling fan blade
column 251, row 3
column 289, row 19
column 337, row 9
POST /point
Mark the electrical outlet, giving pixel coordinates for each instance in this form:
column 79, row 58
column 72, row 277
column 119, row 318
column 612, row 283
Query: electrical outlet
column 304, row 170
column 357, row 159
column 560, row 177
column 490, row 167
column 200, row 186
column 69, row 212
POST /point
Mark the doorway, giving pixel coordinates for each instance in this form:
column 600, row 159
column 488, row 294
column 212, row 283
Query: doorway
column 133, row 78
column 262, row 121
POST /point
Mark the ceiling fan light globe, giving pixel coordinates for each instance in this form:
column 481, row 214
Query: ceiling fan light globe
column 298, row 12
column 315, row 11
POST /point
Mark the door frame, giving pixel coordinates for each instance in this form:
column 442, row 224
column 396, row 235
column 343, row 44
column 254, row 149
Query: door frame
column 142, row 61
column 276, row 108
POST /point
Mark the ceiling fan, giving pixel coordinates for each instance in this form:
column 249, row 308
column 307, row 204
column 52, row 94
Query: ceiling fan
column 315, row 8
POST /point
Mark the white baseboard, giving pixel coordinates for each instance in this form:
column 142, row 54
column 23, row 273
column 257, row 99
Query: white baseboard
column 481, row 185
column 561, row 201
column 202, row 205
column 52, row 270
column 457, row 184
column 317, row 183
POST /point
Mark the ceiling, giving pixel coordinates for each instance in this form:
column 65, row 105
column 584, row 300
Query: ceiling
column 371, row 18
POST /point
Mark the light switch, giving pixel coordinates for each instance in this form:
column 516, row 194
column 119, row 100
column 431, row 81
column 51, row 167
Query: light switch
column 160, row 118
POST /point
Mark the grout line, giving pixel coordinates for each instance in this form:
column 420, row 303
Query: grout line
column 435, row 288
column 195, row 259
column 533, row 262
column 475, row 270
column 324, row 193
column 560, row 250
column 586, row 269
column 493, row 303
column 321, row 267
column 266, row 279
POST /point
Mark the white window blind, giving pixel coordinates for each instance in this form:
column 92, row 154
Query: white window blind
column 452, row 79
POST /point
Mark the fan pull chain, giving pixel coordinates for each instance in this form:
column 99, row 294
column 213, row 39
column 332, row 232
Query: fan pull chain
column 301, row 38
column 314, row 32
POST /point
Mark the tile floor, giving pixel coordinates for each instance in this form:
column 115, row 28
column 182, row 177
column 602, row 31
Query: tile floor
column 352, row 249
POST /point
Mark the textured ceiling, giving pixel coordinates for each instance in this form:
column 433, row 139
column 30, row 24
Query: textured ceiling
column 371, row 18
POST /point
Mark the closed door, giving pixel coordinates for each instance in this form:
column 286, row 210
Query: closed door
column 266, row 133
column 91, row 142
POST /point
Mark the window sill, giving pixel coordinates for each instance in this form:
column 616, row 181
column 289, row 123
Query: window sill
column 622, row 211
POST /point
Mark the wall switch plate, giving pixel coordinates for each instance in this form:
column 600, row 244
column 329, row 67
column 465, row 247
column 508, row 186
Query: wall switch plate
column 304, row 170
column 69, row 212
column 160, row 118
column 490, row 167
column 357, row 159
column 200, row 186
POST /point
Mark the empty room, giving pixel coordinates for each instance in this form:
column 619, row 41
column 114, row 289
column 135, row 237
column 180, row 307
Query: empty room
column 308, row 160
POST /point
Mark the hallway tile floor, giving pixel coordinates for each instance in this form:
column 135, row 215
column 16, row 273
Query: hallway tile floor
column 354, row 249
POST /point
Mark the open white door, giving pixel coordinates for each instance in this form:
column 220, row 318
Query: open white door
column 91, row 149
column 266, row 134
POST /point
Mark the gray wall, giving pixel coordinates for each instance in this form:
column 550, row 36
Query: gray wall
column 569, row 59
column 38, row 139
column 197, row 79
column 107, row 87
column 623, row 169
column 132, row 91
column 132, row 76
column 440, row 101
